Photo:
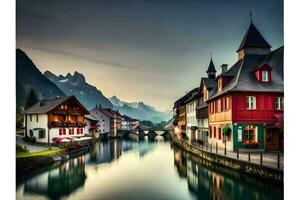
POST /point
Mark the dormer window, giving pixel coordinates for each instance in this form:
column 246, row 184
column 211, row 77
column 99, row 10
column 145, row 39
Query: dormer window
column 263, row 73
column 265, row 76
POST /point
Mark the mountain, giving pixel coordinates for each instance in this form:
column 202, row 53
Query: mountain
column 29, row 77
column 76, row 85
column 139, row 110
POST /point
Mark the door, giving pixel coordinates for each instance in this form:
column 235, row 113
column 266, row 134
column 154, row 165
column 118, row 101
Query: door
column 272, row 140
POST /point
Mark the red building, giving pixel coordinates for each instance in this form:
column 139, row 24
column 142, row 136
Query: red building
column 248, row 97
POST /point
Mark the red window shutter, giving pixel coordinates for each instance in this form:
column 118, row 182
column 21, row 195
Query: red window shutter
column 77, row 131
column 81, row 130
column 64, row 131
column 60, row 131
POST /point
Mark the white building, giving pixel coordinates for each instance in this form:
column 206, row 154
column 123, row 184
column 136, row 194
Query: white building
column 191, row 119
column 103, row 124
column 55, row 118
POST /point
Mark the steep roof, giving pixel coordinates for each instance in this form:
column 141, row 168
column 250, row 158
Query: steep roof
column 211, row 67
column 46, row 105
column 209, row 83
column 245, row 80
column 91, row 117
column 181, row 101
column 253, row 38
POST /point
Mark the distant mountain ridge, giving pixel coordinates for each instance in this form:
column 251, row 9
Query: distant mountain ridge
column 28, row 77
column 76, row 85
column 139, row 110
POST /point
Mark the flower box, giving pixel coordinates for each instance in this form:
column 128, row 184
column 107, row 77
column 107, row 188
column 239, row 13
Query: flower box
column 250, row 144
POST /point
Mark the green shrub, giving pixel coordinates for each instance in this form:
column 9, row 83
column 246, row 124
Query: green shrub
column 226, row 130
column 21, row 149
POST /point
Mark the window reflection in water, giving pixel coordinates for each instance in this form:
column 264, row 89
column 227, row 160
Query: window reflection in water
column 63, row 180
column 211, row 181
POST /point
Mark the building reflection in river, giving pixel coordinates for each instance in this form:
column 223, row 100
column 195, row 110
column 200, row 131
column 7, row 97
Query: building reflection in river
column 209, row 181
column 61, row 181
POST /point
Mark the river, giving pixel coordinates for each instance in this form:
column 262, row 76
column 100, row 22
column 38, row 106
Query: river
column 120, row 169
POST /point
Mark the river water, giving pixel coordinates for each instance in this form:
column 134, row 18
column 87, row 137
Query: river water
column 120, row 169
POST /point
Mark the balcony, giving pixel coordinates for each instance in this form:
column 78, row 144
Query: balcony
column 66, row 124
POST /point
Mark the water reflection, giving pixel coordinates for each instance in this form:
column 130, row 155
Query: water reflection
column 208, row 181
column 60, row 181
column 120, row 169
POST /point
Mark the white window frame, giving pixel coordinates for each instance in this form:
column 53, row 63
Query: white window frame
column 265, row 76
column 251, row 102
column 279, row 103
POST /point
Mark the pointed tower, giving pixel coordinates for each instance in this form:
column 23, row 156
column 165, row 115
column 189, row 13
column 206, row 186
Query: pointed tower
column 211, row 71
column 253, row 43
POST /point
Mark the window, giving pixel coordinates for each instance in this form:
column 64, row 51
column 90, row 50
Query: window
column 219, row 133
column 279, row 103
column 250, row 133
column 64, row 131
column 60, row 131
column 251, row 102
column 71, row 131
column 227, row 103
column 265, row 76
column 37, row 118
column 215, row 132
column 30, row 116
column 219, row 105
column 42, row 133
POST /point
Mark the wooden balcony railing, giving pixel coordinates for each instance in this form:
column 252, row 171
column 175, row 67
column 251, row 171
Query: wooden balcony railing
column 67, row 124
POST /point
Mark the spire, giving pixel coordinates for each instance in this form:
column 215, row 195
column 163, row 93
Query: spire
column 211, row 71
column 253, row 38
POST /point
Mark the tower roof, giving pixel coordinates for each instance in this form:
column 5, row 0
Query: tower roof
column 211, row 67
column 253, row 38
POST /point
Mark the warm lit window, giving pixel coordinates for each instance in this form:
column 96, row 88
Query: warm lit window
column 279, row 103
column 219, row 105
column 227, row 103
column 265, row 76
column 250, row 133
column 251, row 102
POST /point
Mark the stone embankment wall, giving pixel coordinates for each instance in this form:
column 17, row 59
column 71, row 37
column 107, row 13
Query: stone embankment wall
column 239, row 165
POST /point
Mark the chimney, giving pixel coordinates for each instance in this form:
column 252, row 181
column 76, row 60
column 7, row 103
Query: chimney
column 224, row 68
column 42, row 103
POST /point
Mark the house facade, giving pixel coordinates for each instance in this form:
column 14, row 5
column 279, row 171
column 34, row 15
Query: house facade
column 249, row 98
column 91, row 126
column 103, row 123
column 55, row 118
column 191, row 120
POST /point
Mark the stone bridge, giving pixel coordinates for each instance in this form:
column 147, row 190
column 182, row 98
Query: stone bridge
column 140, row 134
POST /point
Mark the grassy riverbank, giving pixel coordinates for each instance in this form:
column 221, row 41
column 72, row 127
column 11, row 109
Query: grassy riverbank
column 39, row 153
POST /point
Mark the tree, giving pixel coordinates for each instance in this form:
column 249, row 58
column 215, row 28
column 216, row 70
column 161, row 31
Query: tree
column 31, row 99
column 19, row 118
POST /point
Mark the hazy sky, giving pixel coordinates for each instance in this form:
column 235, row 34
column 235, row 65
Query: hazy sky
column 141, row 50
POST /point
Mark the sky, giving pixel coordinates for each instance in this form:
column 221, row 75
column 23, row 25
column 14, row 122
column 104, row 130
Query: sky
column 141, row 50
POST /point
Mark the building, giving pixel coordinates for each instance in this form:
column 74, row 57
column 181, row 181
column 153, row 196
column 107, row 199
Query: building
column 55, row 118
column 91, row 126
column 128, row 123
column 109, row 121
column 207, row 86
column 179, row 113
column 103, row 124
column 191, row 120
column 248, row 100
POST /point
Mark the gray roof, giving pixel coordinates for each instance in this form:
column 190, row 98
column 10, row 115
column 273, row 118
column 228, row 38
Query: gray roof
column 209, row 83
column 91, row 117
column 245, row 80
column 46, row 105
column 181, row 101
column 253, row 38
